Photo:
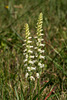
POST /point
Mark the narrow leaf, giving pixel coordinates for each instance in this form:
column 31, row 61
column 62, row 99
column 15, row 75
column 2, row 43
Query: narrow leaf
column 22, row 98
column 42, row 90
column 16, row 94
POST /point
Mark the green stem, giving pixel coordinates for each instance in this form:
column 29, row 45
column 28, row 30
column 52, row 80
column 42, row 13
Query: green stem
column 38, row 83
column 30, row 90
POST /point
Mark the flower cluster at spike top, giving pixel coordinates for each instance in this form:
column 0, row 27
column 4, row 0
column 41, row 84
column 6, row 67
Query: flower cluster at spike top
column 39, row 46
column 28, row 53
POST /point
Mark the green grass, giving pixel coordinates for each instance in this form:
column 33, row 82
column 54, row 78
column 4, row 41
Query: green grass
column 12, row 34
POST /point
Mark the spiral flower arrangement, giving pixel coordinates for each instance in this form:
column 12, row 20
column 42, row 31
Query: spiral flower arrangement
column 34, row 63
column 28, row 53
column 39, row 46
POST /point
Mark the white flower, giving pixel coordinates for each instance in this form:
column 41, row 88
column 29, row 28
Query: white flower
column 25, row 60
column 29, row 69
column 32, row 78
column 26, row 75
column 36, row 54
column 39, row 40
column 25, row 40
column 42, row 45
column 42, row 39
column 27, row 46
column 35, row 48
column 39, row 64
column 35, row 61
column 31, row 46
column 29, row 51
column 33, row 68
column 29, row 41
column 25, row 50
column 29, row 37
column 24, row 44
column 35, row 37
column 39, row 50
column 41, row 57
column 37, row 75
column 42, row 66
column 31, row 62
column 27, row 34
column 31, row 56
column 25, row 65
column 24, row 53
column 37, row 43
column 26, row 56
column 41, row 34
column 42, row 51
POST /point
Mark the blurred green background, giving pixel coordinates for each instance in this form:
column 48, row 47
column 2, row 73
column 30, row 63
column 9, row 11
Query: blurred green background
column 13, row 15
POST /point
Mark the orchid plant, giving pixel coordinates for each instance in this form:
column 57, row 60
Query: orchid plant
column 34, row 63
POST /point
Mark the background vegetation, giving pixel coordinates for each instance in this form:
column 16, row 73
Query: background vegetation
column 13, row 15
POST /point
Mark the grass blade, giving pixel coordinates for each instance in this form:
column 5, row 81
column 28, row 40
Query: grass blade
column 22, row 97
column 42, row 90
column 16, row 94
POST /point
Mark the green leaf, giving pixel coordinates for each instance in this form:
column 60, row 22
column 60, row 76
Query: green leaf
column 16, row 94
column 3, row 94
column 22, row 97
column 52, row 96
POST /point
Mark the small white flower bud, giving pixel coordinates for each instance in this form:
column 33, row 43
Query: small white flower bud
column 25, row 65
column 31, row 46
column 41, row 57
column 29, row 41
column 37, row 75
column 35, row 48
column 26, row 75
column 31, row 62
column 42, row 45
column 25, row 60
column 42, row 66
column 41, row 34
column 32, row 78
column 24, row 44
column 29, row 69
column 29, row 51
column 39, row 64
column 31, row 56
column 33, row 68
column 25, row 50
column 29, row 37
column 26, row 56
